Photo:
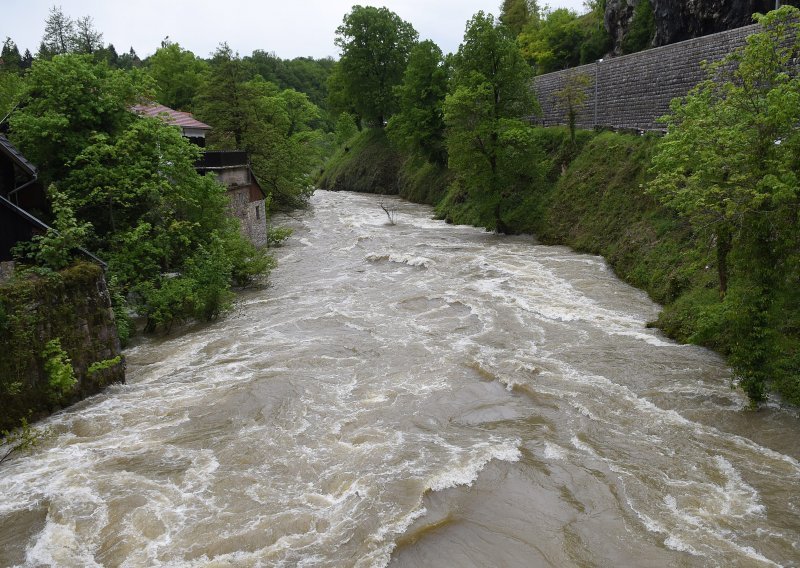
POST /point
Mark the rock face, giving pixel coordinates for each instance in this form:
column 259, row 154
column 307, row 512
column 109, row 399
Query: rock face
column 618, row 18
column 678, row 20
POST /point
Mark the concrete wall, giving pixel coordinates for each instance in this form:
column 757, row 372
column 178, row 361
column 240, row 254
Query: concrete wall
column 234, row 176
column 633, row 91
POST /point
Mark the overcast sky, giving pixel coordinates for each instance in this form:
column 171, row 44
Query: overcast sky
column 290, row 28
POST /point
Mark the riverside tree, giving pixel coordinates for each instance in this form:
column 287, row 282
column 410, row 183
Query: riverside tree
column 163, row 228
column 375, row 44
column 179, row 75
column 275, row 126
column 418, row 127
column 729, row 163
column 489, row 144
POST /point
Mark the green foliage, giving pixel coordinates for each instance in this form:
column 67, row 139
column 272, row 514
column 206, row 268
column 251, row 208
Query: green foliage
column 21, row 439
column 419, row 127
column 371, row 164
column 489, row 95
column 10, row 59
column 303, row 74
column 277, row 235
column 56, row 248
column 572, row 97
column 275, row 126
column 128, row 186
column 100, row 366
column 12, row 87
column 729, row 164
column 562, row 39
column 178, row 74
column 59, row 34
column 69, row 101
column 345, row 128
column 248, row 263
column 225, row 99
column 642, row 29
column 119, row 305
column 375, row 44
column 58, row 367
column 517, row 14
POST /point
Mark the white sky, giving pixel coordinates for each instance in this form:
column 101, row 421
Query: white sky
column 290, row 28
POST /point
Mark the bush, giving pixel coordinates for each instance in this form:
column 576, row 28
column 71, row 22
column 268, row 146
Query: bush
column 57, row 365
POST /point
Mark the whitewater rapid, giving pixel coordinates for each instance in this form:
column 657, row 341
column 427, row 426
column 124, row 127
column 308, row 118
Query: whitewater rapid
column 415, row 394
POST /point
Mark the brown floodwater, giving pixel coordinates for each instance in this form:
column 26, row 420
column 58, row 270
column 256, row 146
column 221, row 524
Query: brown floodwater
column 415, row 394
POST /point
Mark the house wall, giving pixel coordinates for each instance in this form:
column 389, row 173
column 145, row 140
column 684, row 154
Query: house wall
column 230, row 177
column 250, row 214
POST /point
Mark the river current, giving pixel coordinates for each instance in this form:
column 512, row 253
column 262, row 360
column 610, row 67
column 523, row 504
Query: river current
column 412, row 395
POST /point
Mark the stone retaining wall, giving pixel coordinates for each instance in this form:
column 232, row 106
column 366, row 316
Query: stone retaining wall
column 635, row 90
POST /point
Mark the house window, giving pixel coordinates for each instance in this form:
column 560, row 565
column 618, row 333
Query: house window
column 258, row 212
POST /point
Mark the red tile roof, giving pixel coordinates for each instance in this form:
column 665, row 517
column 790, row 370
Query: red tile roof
column 170, row 116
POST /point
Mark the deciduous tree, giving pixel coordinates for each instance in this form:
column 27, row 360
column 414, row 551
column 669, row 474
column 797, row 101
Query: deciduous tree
column 375, row 44
column 179, row 76
column 489, row 97
column 729, row 163
column 419, row 125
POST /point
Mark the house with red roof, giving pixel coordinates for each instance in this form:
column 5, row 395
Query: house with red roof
column 232, row 168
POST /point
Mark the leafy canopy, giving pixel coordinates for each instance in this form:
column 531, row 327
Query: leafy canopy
column 375, row 45
column 729, row 164
column 487, row 140
column 419, row 125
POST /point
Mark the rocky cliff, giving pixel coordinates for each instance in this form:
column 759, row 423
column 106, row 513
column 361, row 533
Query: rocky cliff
column 678, row 20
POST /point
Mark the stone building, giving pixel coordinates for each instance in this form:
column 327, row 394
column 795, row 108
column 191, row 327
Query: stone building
column 247, row 199
column 232, row 168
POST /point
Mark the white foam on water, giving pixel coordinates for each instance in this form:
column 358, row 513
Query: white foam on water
column 59, row 545
column 410, row 260
column 739, row 498
column 554, row 451
column 467, row 473
column 583, row 447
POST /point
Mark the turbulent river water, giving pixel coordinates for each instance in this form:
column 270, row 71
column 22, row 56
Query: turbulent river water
column 415, row 394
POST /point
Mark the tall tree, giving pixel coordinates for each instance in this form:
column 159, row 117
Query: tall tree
column 419, row 124
column 729, row 164
column 572, row 97
column 179, row 75
column 10, row 59
column 489, row 96
column 64, row 110
column 274, row 126
column 59, row 34
column 224, row 101
column 375, row 45
column 27, row 60
column 517, row 14
column 87, row 39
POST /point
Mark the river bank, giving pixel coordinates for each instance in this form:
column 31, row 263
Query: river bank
column 591, row 196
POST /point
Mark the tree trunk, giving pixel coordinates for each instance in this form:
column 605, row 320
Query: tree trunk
column 724, row 245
